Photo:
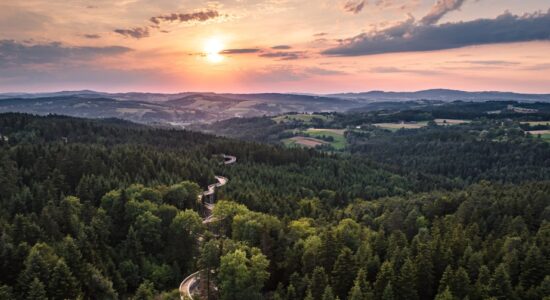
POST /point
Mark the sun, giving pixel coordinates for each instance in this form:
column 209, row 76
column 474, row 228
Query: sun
column 212, row 49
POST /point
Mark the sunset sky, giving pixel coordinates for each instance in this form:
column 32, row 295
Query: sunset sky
column 317, row 46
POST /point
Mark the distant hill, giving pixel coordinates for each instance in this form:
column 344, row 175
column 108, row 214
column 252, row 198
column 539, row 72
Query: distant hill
column 441, row 95
column 182, row 109
column 175, row 109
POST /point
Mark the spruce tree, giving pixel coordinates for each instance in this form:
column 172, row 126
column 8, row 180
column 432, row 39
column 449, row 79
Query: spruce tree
column 343, row 273
column 533, row 268
column 501, row 287
column 36, row 290
column 328, row 294
column 383, row 279
column 445, row 295
column 460, row 283
column 318, row 282
column 62, row 284
column 406, row 282
column 388, row 293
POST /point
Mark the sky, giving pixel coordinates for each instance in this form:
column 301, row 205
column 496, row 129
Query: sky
column 246, row 46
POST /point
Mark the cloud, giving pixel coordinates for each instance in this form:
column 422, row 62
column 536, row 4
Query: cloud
column 391, row 70
column 409, row 36
column 285, row 55
column 13, row 53
column 137, row 32
column 539, row 67
column 145, row 31
column 240, row 51
column 92, row 36
column 354, row 6
column 490, row 62
column 323, row 72
column 200, row 16
column 440, row 9
column 320, row 34
column 281, row 47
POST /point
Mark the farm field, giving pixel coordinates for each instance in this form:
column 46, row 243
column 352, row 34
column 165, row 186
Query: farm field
column 535, row 123
column 303, row 141
column 316, row 136
column 339, row 142
column 397, row 126
column 544, row 134
column 450, row 121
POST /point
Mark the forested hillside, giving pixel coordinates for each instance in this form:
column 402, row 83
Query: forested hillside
column 106, row 209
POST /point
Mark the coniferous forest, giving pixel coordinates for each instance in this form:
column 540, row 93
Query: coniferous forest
column 108, row 209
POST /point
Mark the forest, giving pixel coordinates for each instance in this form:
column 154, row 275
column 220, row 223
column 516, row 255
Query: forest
column 108, row 209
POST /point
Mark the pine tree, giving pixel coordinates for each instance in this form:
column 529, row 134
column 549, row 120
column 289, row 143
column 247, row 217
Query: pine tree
column 318, row 282
column 501, row 288
column 460, row 283
column 424, row 273
column 62, row 284
column 445, row 295
column 406, row 282
column 309, row 296
column 328, row 294
column 445, row 281
column 343, row 273
column 365, row 285
column 328, row 253
column 383, row 279
column 481, row 289
column 355, row 292
column 533, row 268
column 291, row 293
column 36, row 290
column 145, row 291
column 388, row 292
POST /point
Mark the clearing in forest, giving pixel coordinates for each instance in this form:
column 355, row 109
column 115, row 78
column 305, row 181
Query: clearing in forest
column 397, row 126
column 304, row 141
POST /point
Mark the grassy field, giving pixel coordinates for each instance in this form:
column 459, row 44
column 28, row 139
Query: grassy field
column 397, row 126
column 450, row 121
column 303, row 141
column 339, row 142
column 314, row 135
column 535, row 123
column 305, row 118
column 544, row 134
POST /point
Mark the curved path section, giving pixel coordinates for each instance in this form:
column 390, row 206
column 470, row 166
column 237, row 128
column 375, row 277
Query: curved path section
column 191, row 282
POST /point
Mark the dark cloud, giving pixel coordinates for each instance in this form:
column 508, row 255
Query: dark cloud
column 285, row 55
column 240, row 51
column 320, row 34
column 92, row 36
column 440, row 9
column 13, row 53
column 411, row 36
column 354, row 6
column 281, row 47
column 137, row 32
column 200, row 16
column 145, row 31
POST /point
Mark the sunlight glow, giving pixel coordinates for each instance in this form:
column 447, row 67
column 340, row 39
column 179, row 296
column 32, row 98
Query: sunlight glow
column 212, row 49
